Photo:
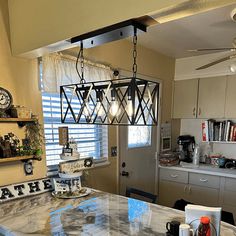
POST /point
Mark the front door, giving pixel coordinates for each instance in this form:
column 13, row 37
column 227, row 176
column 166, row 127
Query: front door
column 138, row 147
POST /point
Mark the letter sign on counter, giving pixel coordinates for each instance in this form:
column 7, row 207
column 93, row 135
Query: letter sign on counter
column 11, row 192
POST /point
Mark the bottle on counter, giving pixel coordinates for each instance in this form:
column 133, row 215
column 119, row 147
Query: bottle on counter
column 196, row 155
column 204, row 228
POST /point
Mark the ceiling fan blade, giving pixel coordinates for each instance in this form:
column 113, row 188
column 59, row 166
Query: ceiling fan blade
column 212, row 49
column 215, row 62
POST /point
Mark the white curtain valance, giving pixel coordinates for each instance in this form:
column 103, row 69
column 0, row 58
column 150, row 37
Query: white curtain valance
column 60, row 70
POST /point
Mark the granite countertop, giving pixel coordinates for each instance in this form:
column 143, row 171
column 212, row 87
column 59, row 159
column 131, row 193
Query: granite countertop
column 97, row 214
column 205, row 169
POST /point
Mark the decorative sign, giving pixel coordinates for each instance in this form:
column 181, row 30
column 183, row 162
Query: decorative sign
column 63, row 135
column 71, row 167
column 66, row 185
column 20, row 190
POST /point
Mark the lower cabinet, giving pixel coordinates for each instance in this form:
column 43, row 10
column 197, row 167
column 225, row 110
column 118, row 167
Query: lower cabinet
column 196, row 188
column 170, row 191
column 202, row 189
column 228, row 195
column 204, row 196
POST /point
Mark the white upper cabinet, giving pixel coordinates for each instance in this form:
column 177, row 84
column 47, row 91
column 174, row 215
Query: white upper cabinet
column 205, row 98
column 230, row 102
column 185, row 98
column 211, row 97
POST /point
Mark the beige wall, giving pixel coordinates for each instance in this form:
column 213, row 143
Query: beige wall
column 19, row 76
column 35, row 24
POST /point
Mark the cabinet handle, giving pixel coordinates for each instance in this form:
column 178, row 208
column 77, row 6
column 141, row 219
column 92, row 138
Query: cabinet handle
column 204, row 180
column 174, row 176
column 185, row 188
column 199, row 111
column 194, row 110
column 189, row 189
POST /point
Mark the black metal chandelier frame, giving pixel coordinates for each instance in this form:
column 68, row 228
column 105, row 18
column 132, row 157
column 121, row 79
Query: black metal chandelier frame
column 124, row 101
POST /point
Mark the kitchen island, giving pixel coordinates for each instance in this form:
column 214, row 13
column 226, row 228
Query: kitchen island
column 97, row 214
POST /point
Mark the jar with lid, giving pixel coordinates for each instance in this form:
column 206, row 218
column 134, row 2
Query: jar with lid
column 204, row 228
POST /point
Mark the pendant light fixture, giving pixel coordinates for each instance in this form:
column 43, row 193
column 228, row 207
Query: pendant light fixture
column 123, row 101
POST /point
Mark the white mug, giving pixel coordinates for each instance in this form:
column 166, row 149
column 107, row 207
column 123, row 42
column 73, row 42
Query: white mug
column 184, row 230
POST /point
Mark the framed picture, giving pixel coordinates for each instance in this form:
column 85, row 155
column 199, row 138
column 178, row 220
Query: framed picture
column 165, row 143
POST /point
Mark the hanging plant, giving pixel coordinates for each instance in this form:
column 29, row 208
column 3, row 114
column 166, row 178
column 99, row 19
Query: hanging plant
column 34, row 133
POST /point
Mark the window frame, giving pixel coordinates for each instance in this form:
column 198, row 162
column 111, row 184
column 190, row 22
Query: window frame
column 100, row 138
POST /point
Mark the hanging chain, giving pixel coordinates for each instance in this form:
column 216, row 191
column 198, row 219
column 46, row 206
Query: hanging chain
column 82, row 63
column 135, row 53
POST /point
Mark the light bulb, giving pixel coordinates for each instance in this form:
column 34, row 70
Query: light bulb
column 129, row 108
column 87, row 111
column 114, row 109
column 99, row 109
column 232, row 68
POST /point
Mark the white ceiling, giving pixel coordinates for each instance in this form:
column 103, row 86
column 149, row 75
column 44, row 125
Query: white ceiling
column 210, row 29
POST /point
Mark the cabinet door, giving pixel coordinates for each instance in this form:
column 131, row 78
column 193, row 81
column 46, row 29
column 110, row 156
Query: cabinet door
column 230, row 111
column 203, row 195
column 211, row 97
column 170, row 192
column 185, row 98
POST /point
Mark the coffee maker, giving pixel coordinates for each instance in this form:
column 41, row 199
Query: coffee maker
column 186, row 147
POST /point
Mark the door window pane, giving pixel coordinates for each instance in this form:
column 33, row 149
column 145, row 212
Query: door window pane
column 139, row 136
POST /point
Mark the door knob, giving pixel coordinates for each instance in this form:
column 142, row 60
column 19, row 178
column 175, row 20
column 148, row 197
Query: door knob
column 125, row 173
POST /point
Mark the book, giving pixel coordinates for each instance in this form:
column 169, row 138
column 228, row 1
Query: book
column 231, row 133
column 227, row 130
column 220, row 132
column 234, row 133
column 205, row 135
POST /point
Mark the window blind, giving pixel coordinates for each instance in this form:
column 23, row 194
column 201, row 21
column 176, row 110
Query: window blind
column 92, row 140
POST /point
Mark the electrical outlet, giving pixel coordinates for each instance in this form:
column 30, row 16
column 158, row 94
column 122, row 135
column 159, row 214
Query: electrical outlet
column 114, row 151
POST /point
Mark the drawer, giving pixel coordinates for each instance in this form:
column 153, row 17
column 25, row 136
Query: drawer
column 204, row 180
column 230, row 185
column 174, row 175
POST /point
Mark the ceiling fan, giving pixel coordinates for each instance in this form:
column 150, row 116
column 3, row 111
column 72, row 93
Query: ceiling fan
column 230, row 49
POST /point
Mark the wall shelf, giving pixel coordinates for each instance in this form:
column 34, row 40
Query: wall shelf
column 220, row 142
column 19, row 158
column 16, row 120
column 20, row 121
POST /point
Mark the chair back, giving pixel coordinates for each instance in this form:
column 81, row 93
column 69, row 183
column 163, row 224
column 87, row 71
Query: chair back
column 131, row 192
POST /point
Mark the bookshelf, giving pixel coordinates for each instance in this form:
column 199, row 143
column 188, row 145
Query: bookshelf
column 220, row 142
column 215, row 131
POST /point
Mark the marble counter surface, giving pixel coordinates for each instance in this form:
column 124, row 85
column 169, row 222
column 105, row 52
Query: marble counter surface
column 99, row 214
column 205, row 169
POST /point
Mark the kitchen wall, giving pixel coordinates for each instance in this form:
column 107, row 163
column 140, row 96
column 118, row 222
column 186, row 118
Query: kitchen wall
column 185, row 69
column 20, row 77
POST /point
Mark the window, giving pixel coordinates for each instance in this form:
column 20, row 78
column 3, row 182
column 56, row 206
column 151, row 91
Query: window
column 91, row 139
column 139, row 136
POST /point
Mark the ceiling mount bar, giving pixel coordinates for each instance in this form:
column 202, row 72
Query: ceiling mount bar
column 110, row 33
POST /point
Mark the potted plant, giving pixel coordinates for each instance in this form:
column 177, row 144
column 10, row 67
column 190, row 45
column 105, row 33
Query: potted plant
column 34, row 133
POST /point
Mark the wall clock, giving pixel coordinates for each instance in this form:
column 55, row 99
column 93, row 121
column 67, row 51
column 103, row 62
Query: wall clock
column 5, row 99
column 28, row 167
